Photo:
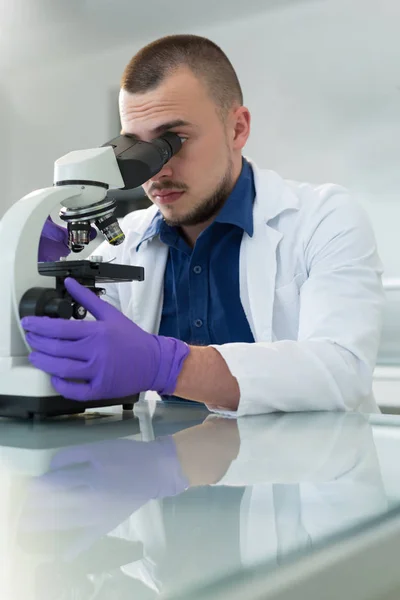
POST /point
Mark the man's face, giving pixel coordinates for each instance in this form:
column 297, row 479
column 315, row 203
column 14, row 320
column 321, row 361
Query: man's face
column 193, row 185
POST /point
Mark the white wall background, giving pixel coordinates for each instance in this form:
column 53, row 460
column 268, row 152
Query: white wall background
column 322, row 79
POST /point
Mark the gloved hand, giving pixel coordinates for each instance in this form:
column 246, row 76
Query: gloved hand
column 112, row 356
column 54, row 241
column 91, row 489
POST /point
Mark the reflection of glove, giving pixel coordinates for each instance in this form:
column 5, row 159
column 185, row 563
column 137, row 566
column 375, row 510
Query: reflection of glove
column 113, row 356
column 54, row 241
column 91, row 489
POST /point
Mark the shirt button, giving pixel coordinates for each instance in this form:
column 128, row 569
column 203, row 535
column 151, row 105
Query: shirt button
column 197, row 269
column 198, row 323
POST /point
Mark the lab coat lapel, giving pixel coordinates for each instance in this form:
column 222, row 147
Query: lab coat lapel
column 257, row 279
column 146, row 298
column 258, row 254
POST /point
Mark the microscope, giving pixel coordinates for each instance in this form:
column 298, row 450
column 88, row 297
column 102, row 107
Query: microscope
column 81, row 182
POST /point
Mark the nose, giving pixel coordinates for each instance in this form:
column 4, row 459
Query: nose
column 165, row 173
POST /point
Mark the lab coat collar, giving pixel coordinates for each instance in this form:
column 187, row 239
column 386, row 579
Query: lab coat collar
column 277, row 197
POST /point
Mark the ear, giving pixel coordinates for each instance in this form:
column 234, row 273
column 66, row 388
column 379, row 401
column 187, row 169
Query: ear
column 241, row 127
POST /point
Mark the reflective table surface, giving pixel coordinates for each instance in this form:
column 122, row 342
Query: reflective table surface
column 169, row 499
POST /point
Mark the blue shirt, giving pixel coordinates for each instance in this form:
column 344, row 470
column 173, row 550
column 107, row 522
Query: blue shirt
column 201, row 284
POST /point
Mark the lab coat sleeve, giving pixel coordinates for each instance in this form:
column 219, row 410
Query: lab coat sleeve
column 330, row 365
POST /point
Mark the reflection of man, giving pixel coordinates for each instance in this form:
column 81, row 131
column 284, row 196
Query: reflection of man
column 239, row 492
column 307, row 477
column 296, row 480
column 273, row 285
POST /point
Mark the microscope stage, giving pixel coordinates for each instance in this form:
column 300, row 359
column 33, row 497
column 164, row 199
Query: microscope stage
column 83, row 270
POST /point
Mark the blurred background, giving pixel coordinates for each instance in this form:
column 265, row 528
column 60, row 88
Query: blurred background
column 321, row 78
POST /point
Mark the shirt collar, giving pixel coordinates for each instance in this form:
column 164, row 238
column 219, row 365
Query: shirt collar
column 237, row 210
column 153, row 229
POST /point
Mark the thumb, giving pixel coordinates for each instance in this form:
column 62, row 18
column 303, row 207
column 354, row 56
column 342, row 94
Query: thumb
column 71, row 456
column 88, row 299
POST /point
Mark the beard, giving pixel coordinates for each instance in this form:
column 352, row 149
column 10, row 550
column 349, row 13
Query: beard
column 208, row 208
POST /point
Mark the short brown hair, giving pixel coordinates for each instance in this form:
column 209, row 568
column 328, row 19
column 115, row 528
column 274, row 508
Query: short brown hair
column 149, row 67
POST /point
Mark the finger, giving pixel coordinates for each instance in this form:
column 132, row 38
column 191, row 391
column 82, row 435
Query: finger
column 72, row 390
column 72, row 477
column 50, row 250
column 58, row 328
column 73, row 455
column 76, row 349
column 54, row 232
column 66, row 368
column 85, row 297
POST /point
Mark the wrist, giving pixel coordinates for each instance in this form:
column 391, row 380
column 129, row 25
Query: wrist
column 172, row 354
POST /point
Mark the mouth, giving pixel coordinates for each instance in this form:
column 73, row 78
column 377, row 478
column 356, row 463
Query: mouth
column 167, row 196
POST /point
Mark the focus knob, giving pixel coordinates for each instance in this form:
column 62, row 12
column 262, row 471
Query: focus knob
column 58, row 307
column 44, row 302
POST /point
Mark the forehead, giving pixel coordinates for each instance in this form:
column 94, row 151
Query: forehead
column 181, row 96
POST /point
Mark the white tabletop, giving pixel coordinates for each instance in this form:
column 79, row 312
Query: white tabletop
column 171, row 499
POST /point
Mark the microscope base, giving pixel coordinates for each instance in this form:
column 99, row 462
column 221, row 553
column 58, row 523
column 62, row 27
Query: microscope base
column 36, row 407
column 17, row 377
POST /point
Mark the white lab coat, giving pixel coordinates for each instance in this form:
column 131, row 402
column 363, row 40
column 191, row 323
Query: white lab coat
column 310, row 286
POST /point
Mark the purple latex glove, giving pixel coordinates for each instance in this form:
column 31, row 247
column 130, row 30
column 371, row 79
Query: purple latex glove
column 54, row 241
column 111, row 357
column 94, row 487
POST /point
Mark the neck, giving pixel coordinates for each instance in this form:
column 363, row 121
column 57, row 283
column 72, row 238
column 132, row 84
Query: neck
column 191, row 232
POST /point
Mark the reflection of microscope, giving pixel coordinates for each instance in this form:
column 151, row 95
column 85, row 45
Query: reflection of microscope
column 26, row 451
column 68, row 536
column 81, row 181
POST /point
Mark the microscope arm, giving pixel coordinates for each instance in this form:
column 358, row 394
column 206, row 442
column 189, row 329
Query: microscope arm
column 20, row 230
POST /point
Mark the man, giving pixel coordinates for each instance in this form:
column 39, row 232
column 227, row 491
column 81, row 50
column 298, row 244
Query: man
column 260, row 294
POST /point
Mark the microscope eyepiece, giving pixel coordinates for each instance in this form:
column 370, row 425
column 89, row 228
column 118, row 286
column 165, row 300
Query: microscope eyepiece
column 139, row 161
column 167, row 145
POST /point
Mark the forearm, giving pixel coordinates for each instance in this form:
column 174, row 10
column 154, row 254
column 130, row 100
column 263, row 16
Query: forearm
column 205, row 377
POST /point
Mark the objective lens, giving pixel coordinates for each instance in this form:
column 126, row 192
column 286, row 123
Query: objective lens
column 78, row 235
column 111, row 229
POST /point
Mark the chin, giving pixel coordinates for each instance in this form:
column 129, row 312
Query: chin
column 173, row 211
column 173, row 220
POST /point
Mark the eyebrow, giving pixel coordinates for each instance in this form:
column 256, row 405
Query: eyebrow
column 171, row 125
column 163, row 128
